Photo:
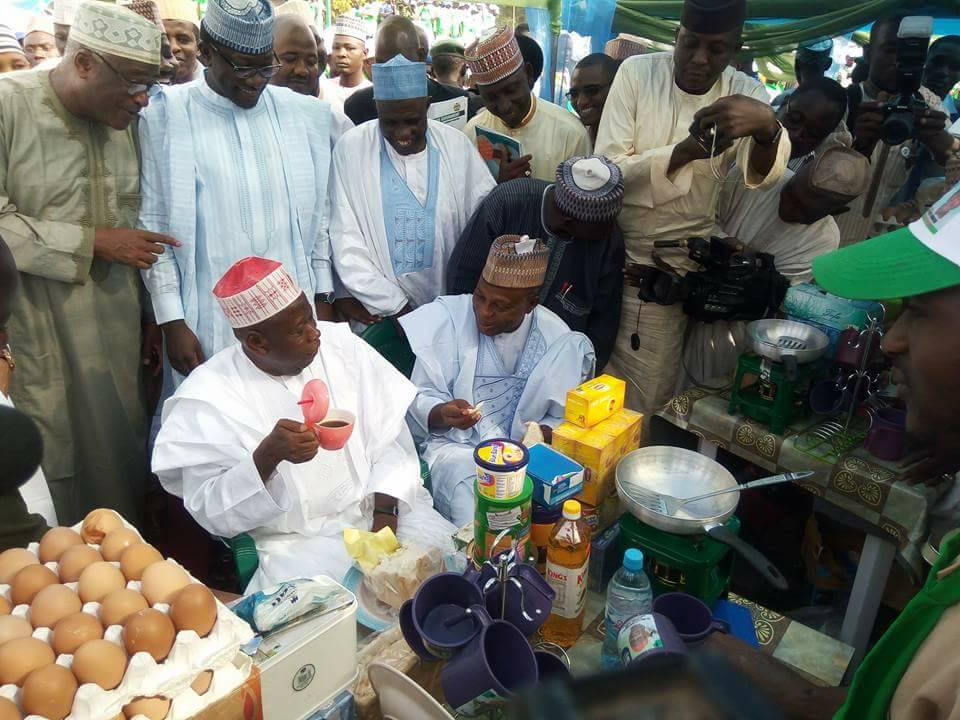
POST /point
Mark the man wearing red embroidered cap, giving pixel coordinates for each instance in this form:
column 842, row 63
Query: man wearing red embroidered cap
column 547, row 134
column 234, row 446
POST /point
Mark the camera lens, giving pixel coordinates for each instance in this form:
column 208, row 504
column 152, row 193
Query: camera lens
column 897, row 127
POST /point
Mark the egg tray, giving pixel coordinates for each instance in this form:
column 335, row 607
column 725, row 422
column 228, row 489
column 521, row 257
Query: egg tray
column 144, row 677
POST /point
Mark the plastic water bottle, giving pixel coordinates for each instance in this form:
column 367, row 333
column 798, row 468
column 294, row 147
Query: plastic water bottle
column 628, row 594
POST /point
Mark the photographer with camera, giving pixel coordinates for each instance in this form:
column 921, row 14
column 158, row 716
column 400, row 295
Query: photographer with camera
column 675, row 124
column 891, row 116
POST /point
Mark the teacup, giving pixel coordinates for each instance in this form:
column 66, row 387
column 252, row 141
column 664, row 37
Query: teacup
column 335, row 429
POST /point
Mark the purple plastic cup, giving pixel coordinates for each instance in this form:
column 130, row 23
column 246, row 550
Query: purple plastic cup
column 411, row 635
column 689, row 615
column 439, row 614
column 643, row 636
column 887, row 437
column 528, row 602
column 497, row 662
column 549, row 666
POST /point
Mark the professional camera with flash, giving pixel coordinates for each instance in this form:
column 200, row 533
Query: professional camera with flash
column 913, row 39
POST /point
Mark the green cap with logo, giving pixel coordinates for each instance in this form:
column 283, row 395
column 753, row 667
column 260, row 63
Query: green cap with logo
column 921, row 258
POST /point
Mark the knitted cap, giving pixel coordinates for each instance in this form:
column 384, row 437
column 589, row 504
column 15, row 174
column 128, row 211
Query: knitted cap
column 181, row 10
column 495, row 57
column 245, row 26
column 516, row 262
column 115, row 30
column 399, row 79
column 146, row 9
column 351, row 27
column 8, row 41
column 589, row 189
column 253, row 290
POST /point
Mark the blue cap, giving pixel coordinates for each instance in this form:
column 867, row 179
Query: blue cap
column 399, row 79
column 633, row 560
column 245, row 26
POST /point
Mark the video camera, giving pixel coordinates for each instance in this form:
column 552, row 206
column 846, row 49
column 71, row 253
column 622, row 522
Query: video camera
column 913, row 39
column 734, row 284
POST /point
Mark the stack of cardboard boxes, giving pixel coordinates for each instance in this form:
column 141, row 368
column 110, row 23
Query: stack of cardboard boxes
column 597, row 433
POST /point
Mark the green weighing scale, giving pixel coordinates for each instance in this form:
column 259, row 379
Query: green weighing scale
column 695, row 564
column 763, row 390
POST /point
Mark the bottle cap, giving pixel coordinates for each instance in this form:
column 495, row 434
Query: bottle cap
column 633, row 560
column 571, row 510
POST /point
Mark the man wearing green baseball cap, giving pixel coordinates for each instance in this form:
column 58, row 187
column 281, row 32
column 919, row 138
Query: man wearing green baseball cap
column 913, row 669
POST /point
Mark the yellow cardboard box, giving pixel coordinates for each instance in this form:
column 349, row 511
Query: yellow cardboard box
column 594, row 400
column 624, row 425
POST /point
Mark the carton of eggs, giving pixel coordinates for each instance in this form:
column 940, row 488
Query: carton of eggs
column 95, row 623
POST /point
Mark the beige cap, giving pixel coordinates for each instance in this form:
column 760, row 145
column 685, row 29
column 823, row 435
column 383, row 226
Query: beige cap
column 183, row 10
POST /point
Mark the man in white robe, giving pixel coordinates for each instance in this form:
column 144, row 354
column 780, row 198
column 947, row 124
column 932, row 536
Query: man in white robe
column 675, row 124
column 497, row 347
column 234, row 446
column 791, row 221
column 404, row 187
column 231, row 167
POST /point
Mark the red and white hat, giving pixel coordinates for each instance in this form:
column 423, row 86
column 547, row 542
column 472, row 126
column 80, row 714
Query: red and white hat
column 255, row 289
column 494, row 57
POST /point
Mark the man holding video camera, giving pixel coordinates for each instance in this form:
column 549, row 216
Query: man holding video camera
column 891, row 116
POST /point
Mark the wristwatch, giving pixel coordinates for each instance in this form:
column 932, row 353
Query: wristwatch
column 384, row 510
column 7, row 356
column 775, row 139
column 326, row 297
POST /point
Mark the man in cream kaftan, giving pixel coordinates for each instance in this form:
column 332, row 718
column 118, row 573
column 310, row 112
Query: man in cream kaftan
column 671, row 184
column 520, row 371
column 206, row 453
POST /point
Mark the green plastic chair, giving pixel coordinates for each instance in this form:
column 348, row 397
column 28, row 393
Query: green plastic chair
column 386, row 339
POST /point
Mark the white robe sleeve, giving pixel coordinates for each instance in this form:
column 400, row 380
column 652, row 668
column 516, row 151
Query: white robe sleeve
column 746, row 146
column 320, row 261
column 162, row 279
column 352, row 259
column 478, row 182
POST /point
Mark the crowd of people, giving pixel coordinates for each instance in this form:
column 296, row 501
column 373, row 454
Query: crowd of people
column 199, row 216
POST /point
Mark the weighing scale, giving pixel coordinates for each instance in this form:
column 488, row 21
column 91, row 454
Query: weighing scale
column 765, row 391
column 694, row 564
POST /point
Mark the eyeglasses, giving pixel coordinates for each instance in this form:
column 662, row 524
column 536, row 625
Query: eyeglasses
column 133, row 88
column 248, row 71
column 589, row 91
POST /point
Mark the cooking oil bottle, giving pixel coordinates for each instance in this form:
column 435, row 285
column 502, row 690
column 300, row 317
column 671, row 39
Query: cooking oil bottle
column 568, row 555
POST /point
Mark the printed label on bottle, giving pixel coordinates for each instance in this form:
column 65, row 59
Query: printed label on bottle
column 504, row 519
column 637, row 636
column 570, row 584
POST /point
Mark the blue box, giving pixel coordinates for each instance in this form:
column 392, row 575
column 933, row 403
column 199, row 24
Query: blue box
column 555, row 476
column 605, row 558
column 341, row 707
column 808, row 303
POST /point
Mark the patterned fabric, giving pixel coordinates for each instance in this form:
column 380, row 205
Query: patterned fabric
column 115, row 30
column 399, row 79
column 8, row 41
column 495, row 57
column 64, row 11
column 146, row 9
column 351, row 27
column 516, row 262
column 182, row 10
column 409, row 223
column 589, row 189
column 254, row 289
column 242, row 25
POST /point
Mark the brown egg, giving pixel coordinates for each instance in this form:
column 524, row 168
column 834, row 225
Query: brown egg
column 49, row 692
column 202, row 682
column 154, row 708
column 117, row 541
column 137, row 558
column 149, row 631
column 12, row 560
column 116, row 607
column 194, row 608
column 5, row 606
column 21, row 656
column 9, row 711
column 100, row 662
column 52, row 604
column 99, row 523
column 55, row 542
column 29, row 581
column 73, row 631
column 74, row 560
column 98, row 580
column 161, row 581
column 12, row 627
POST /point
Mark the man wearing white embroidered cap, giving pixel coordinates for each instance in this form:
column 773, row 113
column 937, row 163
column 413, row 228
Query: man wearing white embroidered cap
column 347, row 54
column 234, row 446
column 69, row 218
column 488, row 364
column 63, row 12
column 39, row 42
